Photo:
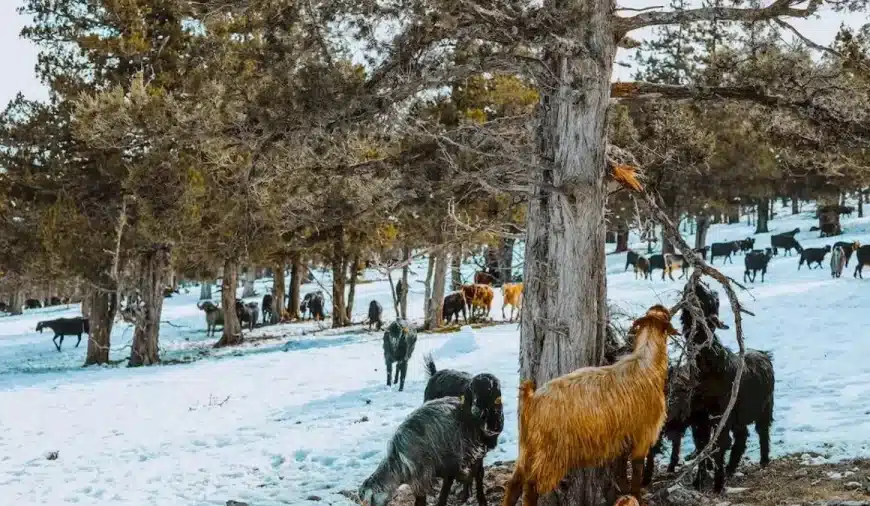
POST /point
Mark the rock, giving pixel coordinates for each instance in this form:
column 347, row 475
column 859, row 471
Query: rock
column 51, row 455
column 312, row 498
column 679, row 496
column 801, row 473
column 852, row 485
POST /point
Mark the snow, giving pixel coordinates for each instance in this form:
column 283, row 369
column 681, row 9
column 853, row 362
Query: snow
column 301, row 412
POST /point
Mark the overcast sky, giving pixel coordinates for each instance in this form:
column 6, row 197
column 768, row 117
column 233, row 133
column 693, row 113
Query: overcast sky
column 18, row 57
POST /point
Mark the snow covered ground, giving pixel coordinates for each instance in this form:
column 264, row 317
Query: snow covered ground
column 269, row 423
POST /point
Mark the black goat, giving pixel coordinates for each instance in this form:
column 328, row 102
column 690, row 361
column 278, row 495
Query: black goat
column 862, row 258
column 247, row 313
column 268, row 310
column 66, row 327
column 214, row 316
column 454, row 304
column 630, row 259
column 785, row 241
column 400, row 339
column 4, row 307
column 848, row 248
column 312, row 303
column 32, row 304
column 666, row 263
column 440, row 439
column 723, row 249
column 813, row 256
column 486, row 392
column 702, row 252
column 717, row 367
column 754, row 261
column 375, row 312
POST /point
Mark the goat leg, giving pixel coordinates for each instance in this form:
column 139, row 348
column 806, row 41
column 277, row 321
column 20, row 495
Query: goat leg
column 420, row 500
column 530, row 494
column 621, row 474
column 54, row 339
column 719, row 462
column 741, row 434
column 445, row 491
column 403, row 367
column 79, row 341
column 513, row 489
column 763, row 431
column 478, row 479
column 389, row 373
column 675, row 453
column 636, row 477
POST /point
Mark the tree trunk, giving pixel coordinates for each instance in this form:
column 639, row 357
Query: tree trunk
column 621, row 237
column 434, row 315
column 610, row 236
column 351, row 291
column 250, row 277
column 86, row 303
column 564, row 312
column 506, row 260
column 702, row 225
column 339, row 273
column 670, row 202
column 101, row 317
column 734, row 214
column 153, row 267
column 867, row 197
column 16, row 304
column 205, row 290
column 763, row 216
column 296, row 271
column 393, row 294
column 278, row 295
column 427, row 293
column 232, row 327
column 456, row 269
column 829, row 221
column 403, row 304
column 861, row 204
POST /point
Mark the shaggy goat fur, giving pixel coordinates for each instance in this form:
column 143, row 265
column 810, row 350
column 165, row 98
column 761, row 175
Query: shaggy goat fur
column 512, row 295
column 585, row 418
column 454, row 304
column 641, row 268
column 478, row 297
column 375, row 312
column 630, row 259
column 813, row 256
column 838, row 261
column 439, row 439
column 848, row 248
column 399, row 342
column 485, row 390
column 717, row 367
column 214, row 316
column 862, row 258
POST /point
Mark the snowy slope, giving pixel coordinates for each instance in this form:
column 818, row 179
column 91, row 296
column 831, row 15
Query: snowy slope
column 269, row 426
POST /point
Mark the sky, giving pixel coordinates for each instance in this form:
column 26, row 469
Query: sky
column 18, row 57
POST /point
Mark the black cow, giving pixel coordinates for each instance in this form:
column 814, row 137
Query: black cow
column 66, row 327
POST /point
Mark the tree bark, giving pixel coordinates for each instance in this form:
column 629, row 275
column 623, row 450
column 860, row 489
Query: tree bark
column 427, row 293
column 621, row 237
column 205, row 290
column 403, row 303
column 456, row 269
column 795, row 205
column 339, row 273
column 16, row 304
column 861, row 204
column 351, row 291
column 702, row 225
column 101, row 317
column 670, row 202
column 278, row 295
column 250, row 277
column 763, row 216
column 734, row 214
column 564, row 312
column 295, row 285
column 434, row 315
column 506, row 260
column 153, row 268
column 232, row 334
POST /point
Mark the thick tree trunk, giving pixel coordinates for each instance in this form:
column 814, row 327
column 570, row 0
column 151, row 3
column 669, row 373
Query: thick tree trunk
column 250, row 277
column 734, row 214
column 763, row 216
column 434, row 316
column 702, row 225
column 610, row 237
column 16, row 303
column 339, row 273
column 393, row 294
column 153, row 267
column 506, row 260
column 795, row 205
column 101, row 316
column 861, row 204
column 205, row 290
column 296, row 272
column 427, row 292
column 278, row 293
column 564, row 312
column 621, row 237
column 456, row 269
column 403, row 303
column 232, row 327
column 867, row 197
column 351, row 291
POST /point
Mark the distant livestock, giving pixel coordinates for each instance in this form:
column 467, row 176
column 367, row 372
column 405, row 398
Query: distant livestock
column 375, row 312
column 641, row 268
column 723, row 249
column 399, row 290
column 746, row 245
column 862, row 258
column 214, row 316
column 512, row 295
column 478, row 298
column 268, row 310
column 4, row 307
column 630, row 259
column 813, row 256
column 66, row 327
column 481, row 394
column 483, row 278
column 848, row 248
column 313, row 304
column 32, row 304
column 400, row 338
column 594, row 416
column 664, row 262
column 785, row 241
column 247, row 314
column 454, row 303
column 838, row 261
column 755, row 261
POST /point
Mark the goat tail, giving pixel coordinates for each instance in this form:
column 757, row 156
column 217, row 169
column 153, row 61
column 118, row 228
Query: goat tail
column 430, row 365
column 626, row 175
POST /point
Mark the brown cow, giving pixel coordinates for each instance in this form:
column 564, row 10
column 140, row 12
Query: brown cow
column 478, row 297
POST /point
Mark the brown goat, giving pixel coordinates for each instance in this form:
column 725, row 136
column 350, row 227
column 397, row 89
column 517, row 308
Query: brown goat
column 584, row 418
column 478, row 297
column 641, row 268
column 512, row 295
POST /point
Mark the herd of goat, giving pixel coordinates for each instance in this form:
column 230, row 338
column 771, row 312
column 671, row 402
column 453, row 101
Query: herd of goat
column 755, row 260
column 581, row 419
